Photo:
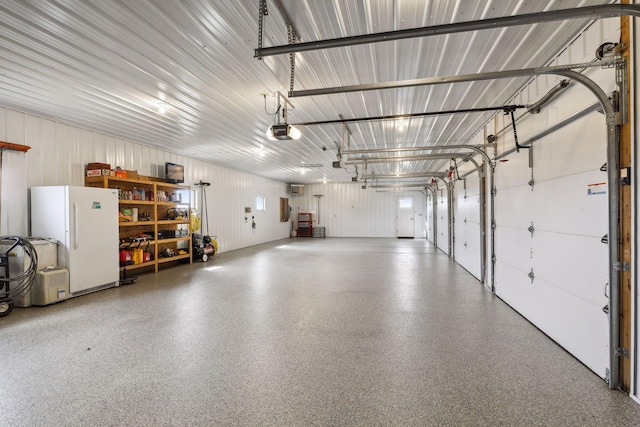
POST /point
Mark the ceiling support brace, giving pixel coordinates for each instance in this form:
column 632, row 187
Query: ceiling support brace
column 591, row 12
column 430, row 81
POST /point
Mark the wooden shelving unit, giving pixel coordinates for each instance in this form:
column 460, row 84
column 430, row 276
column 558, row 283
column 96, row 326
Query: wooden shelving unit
column 156, row 214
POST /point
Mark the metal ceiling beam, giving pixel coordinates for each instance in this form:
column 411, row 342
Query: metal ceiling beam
column 475, row 148
column 590, row 12
column 417, row 158
column 430, row 81
column 406, row 175
column 423, row 185
column 285, row 17
column 410, row 115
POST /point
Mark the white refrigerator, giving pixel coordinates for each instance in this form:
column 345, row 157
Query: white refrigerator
column 84, row 220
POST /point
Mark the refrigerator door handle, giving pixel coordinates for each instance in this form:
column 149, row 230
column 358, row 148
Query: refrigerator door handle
column 75, row 225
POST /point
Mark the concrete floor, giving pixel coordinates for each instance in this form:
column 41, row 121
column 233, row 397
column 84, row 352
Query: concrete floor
column 296, row 332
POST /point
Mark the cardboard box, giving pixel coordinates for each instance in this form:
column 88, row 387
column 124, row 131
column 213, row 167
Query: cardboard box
column 98, row 166
column 98, row 172
column 132, row 174
column 120, row 173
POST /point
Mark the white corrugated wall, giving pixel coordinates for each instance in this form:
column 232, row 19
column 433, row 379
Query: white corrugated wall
column 59, row 153
column 348, row 210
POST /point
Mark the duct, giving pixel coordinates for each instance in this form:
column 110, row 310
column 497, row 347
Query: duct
column 429, row 81
column 591, row 12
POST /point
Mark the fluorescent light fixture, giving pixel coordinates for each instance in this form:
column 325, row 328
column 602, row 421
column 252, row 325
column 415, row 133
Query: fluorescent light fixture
column 283, row 132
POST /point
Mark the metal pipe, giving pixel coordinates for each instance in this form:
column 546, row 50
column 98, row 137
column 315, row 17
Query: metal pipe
column 536, row 106
column 429, row 81
column 591, row 12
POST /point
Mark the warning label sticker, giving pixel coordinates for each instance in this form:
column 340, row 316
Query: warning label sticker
column 598, row 188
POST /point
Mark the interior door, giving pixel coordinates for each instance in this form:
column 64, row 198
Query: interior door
column 405, row 217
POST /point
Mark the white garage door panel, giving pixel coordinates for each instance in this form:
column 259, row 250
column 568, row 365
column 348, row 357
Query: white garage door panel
column 571, row 322
column 443, row 221
column 578, row 265
column 513, row 248
column 513, row 171
column 513, row 286
column 470, row 260
column 513, row 207
column 563, row 205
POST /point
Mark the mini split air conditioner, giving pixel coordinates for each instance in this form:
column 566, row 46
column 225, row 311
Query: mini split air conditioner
column 296, row 189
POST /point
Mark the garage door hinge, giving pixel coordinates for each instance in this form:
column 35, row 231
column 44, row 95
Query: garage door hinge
column 531, row 276
column 621, row 266
column 621, row 352
column 531, row 229
column 605, row 239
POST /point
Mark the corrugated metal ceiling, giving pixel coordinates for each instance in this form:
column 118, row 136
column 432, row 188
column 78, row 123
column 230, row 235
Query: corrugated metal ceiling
column 108, row 65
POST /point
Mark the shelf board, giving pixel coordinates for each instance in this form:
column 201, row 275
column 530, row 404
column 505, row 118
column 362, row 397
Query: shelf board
column 134, row 245
column 135, row 202
column 174, row 239
column 144, row 264
column 173, row 258
column 172, row 203
column 135, row 224
column 172, row 221
column 101, row 179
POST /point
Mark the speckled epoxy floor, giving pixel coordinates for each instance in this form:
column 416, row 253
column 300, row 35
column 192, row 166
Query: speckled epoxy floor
column 296, row 332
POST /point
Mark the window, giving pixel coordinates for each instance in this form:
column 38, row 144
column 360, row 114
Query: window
column 260, row 204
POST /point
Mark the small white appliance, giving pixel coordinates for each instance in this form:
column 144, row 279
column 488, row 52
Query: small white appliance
column 51, row 286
